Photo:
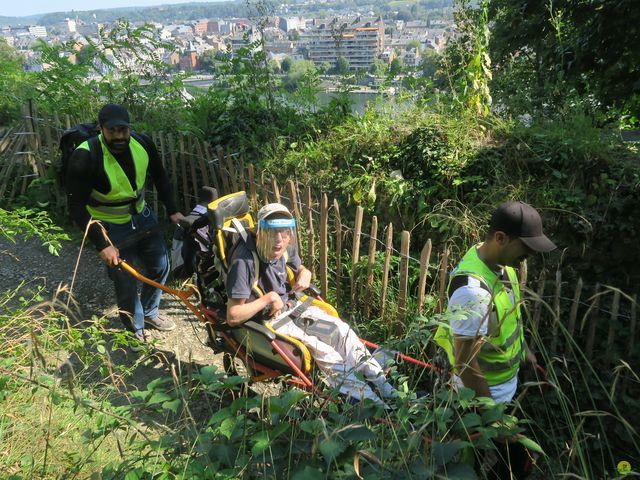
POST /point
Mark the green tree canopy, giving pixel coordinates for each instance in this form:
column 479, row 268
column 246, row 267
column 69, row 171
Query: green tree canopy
column 378, row 68
column 342, row 66
column 589, row 46
column 396, row 66
column 208, row 60
column 13, row 83
column 285, row 66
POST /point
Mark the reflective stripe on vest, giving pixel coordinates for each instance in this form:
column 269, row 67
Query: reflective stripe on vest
column 121, row 201
column 502, row 351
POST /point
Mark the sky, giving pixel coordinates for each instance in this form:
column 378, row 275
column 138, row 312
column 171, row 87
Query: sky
column 10, row 8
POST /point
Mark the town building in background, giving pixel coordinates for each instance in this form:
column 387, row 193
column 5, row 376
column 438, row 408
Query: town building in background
column 358, row 40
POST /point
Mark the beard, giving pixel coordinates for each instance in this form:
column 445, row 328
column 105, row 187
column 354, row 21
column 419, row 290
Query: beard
column 117, row 146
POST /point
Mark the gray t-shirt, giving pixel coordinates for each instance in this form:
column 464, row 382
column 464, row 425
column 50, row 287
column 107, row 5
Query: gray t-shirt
column 272, row 275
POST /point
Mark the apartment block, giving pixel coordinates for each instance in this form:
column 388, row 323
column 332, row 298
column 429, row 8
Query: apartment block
column 359, row 40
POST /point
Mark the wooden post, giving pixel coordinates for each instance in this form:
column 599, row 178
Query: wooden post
column 556, row 312
column 591, row 333
column 174, row 165
column 263, row 190
column 371, row 261
column 573, row 313
column 295, row 208
column 404, row 280
column 252, row 190
column 276, row 190
column 243, row 182
column 613, row 327
column 204, row 171
column 7, row 177
column 231, row 168
column 57, row 127
column 537, row 308
column 324, row 233
column 194, row 177
column 338, row 227
column 31, row 147
column 355, row 252
column 224, row 181
column 385, row 271
column 442, row 279
column 311, row 253
column 47, row 134
column 425, row 256
column 212, row 168
column 183, row 172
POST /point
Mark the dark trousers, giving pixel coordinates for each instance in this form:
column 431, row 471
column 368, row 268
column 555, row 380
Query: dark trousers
column 513, row 462
column 149, row 254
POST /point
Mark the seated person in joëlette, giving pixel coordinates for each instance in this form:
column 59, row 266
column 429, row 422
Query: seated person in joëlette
column 340, row 355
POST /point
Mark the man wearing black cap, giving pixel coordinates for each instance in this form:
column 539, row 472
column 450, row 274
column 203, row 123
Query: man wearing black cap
column 485, row 340
column 105, row 180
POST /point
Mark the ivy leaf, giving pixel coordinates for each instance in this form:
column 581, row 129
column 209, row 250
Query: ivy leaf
column 313, row 427
column 158, row 397
column 220, row 416
column 227, row 426
column 356, row 433
column 261, row 442
column 309, row 473
column 330, row 449
column 172, row 405
column 471, row 420
column 132, row 475
column 442, row 453
column 460, row 471
column 279, row 430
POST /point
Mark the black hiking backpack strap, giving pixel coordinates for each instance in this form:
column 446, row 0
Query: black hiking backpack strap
column 71, row 139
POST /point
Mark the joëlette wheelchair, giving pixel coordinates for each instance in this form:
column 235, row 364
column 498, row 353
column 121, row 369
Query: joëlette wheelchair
column 263, row 352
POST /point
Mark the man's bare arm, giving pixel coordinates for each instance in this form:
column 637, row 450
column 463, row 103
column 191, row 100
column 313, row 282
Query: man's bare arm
column 466, row 355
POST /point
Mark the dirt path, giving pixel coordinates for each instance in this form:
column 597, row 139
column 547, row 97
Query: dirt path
column 29, row 264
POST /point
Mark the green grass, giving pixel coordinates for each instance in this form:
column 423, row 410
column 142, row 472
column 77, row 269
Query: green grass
column 33, row 426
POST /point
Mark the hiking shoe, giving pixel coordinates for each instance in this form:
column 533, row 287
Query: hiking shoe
column 161, row 323
column 139, row 342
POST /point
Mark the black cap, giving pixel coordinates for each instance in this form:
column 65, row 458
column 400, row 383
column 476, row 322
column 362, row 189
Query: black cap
column 518, row 219
column 112, row 115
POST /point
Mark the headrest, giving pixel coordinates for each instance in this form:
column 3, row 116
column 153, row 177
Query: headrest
column 227, row 207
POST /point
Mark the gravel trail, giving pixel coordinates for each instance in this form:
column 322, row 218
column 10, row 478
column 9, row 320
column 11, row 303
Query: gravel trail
column 30, row 264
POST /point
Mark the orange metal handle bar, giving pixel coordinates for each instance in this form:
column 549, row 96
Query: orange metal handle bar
column 183, row 295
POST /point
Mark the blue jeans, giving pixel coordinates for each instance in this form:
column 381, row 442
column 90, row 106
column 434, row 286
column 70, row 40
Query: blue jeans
column 148, row 254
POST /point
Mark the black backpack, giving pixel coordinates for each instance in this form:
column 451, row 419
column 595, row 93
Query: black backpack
column 71, row 139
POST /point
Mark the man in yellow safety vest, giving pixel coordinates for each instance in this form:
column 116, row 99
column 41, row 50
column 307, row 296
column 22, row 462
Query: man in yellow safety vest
column 106, row 182
column 485, row 337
